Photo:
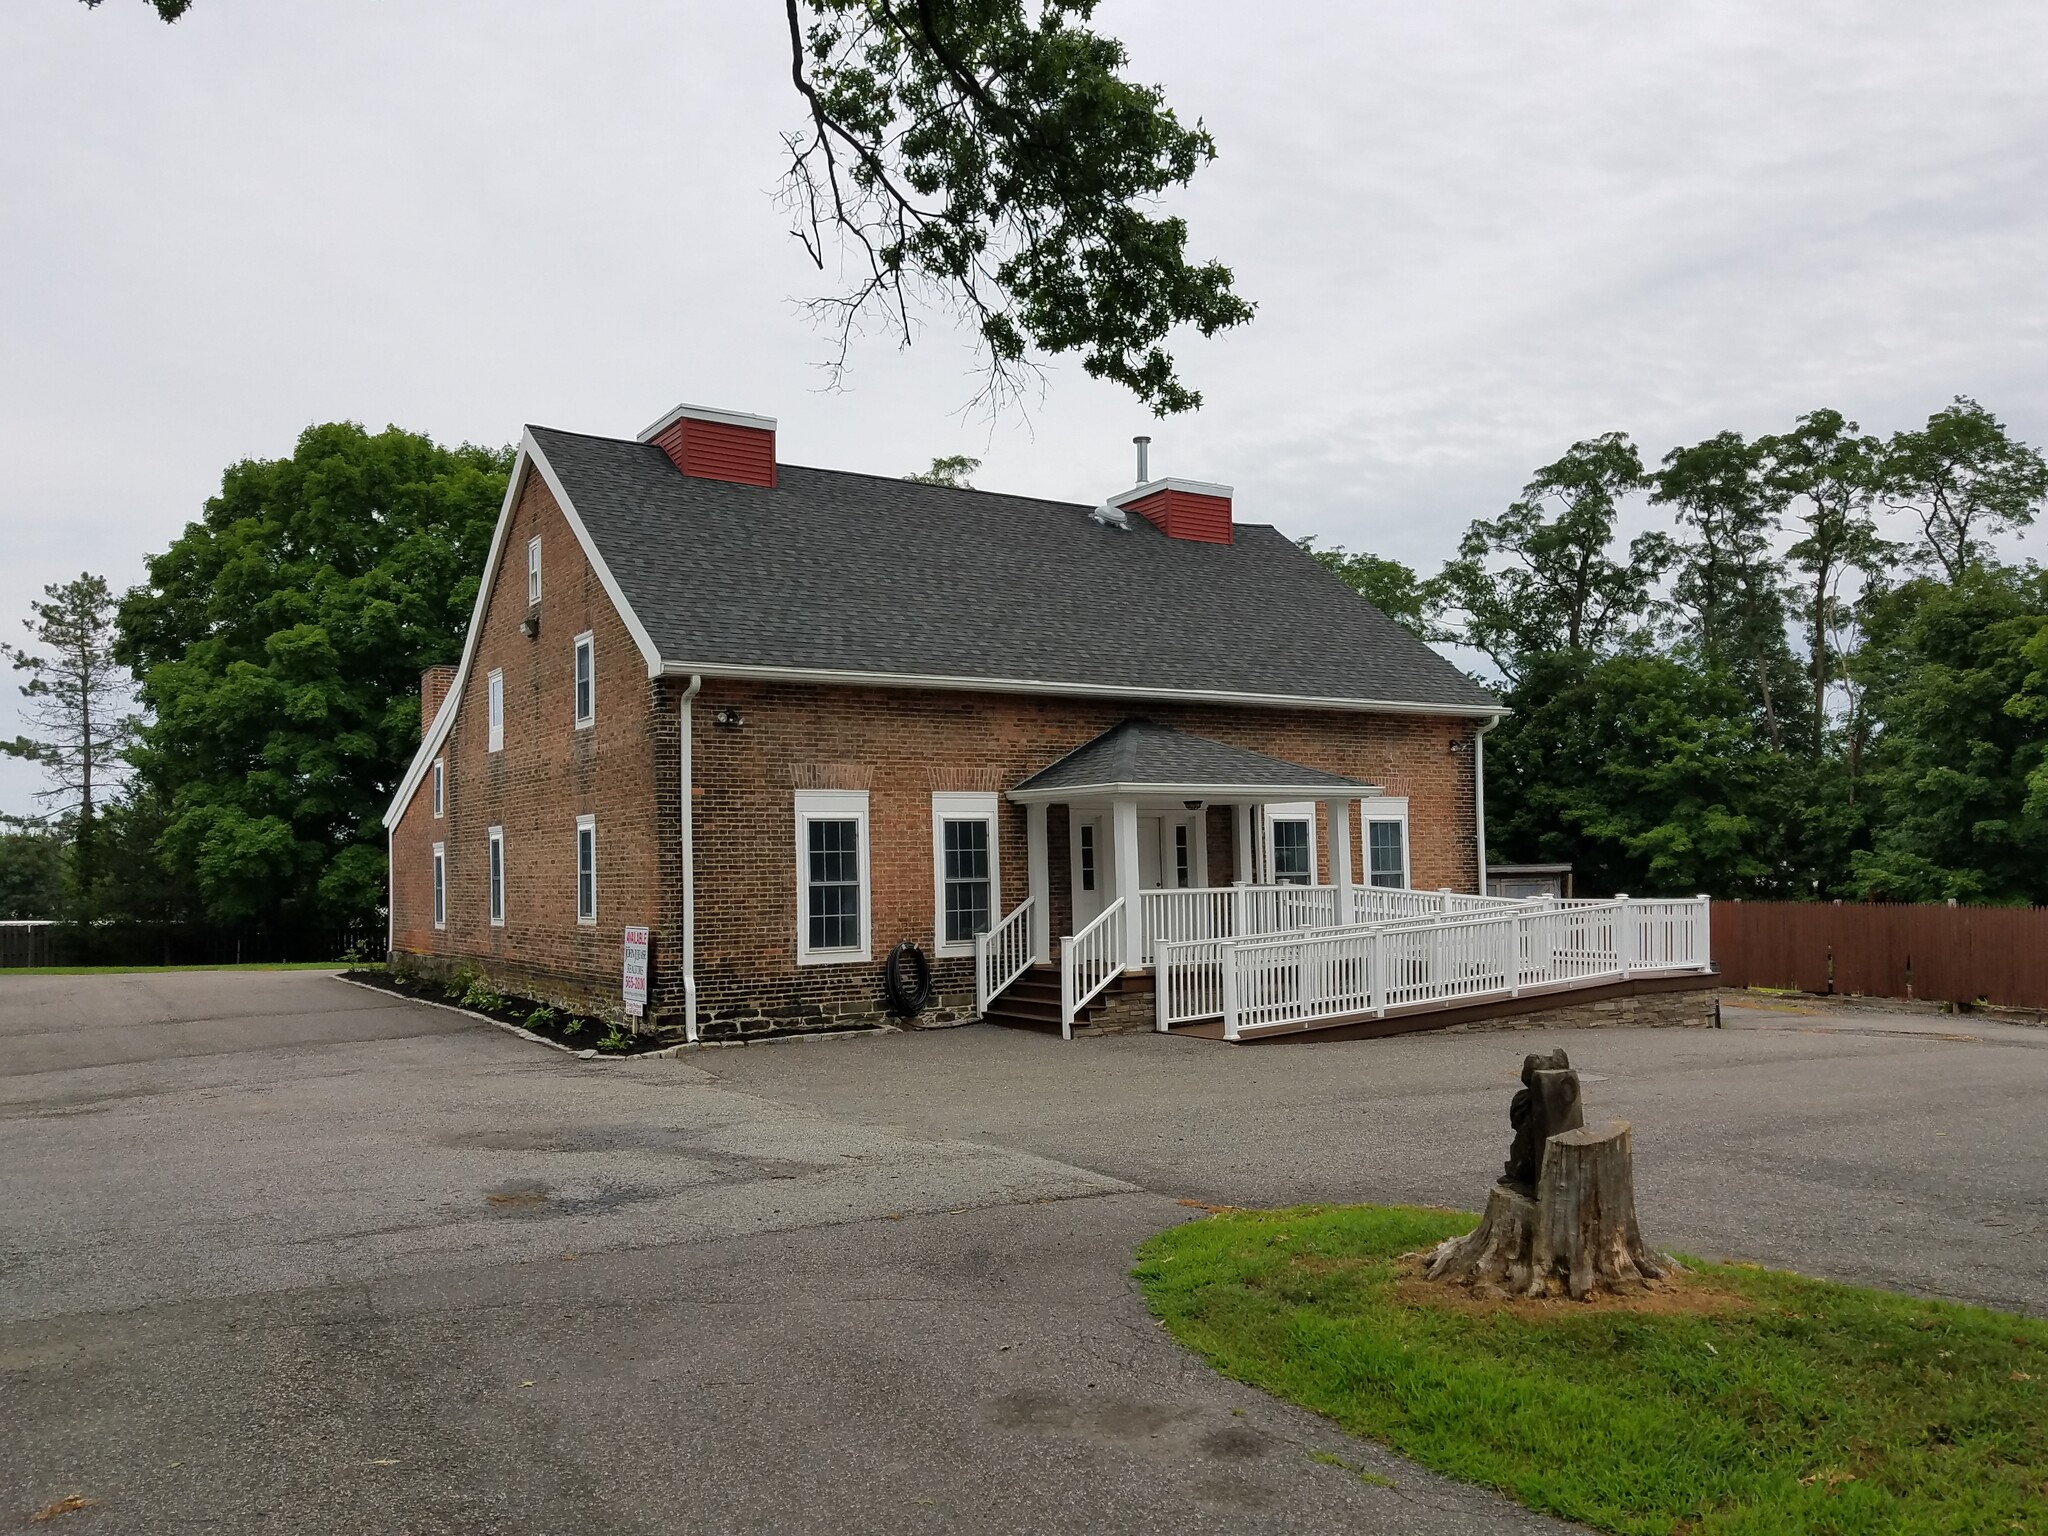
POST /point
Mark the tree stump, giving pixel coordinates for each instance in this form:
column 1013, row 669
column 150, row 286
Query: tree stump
column 1577, row 1235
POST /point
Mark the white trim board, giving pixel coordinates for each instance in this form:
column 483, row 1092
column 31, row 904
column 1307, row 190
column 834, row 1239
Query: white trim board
column 529, row 461
column 746, row 671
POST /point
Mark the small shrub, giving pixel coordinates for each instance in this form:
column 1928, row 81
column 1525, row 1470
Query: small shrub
column 541, row 1018
column 573, row 1025
column 482, row 996
column 615, row 1039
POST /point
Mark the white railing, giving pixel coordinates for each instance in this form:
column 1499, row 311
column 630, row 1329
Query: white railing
column 1175, row 916
column 1090, row 961
column 1002, row 954
column 1417, row 963
column 1187, row 982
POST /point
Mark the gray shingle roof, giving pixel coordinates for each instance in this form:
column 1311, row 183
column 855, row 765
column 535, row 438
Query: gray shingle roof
column 1138, row 753
column 834, row 571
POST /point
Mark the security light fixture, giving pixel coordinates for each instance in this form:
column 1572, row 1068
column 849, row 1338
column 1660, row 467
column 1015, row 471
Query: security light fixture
column 530, row 625
column 732, row 719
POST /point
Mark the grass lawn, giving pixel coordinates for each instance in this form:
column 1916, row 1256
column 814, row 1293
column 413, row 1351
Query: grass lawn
column 137, row 970
column 1756, row 1402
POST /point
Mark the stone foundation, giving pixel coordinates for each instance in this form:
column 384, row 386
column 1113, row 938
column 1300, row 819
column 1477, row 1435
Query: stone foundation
column 1656, row 1010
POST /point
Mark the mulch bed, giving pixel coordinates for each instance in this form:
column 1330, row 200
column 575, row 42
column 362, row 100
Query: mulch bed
column 578, row 1032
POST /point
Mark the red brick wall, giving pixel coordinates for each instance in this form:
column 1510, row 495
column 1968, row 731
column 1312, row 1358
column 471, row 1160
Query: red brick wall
column 901, row 746
column 549, row 773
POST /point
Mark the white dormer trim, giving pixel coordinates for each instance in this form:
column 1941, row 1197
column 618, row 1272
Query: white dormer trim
column 531, row 461
column 706, row 413
column 1154, row 487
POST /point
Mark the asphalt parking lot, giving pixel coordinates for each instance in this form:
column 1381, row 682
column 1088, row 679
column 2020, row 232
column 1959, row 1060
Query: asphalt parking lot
column 282, row 1254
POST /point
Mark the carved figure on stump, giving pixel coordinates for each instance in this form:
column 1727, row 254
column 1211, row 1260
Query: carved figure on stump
column 1562, row 1219
column 1545, row 1104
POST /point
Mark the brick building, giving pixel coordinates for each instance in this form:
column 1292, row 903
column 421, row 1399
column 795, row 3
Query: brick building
column 791, row 719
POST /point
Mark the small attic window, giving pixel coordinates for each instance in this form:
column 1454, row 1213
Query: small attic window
column 533, row 570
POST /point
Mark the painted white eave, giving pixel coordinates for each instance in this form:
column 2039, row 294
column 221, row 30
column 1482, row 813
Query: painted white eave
column 531, row 460
column 706, row 413
column 1170, row 483
column 741, row 672
column 1271, row 793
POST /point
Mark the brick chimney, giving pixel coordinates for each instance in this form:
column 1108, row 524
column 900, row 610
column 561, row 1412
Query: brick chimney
column 1181, row 509
column 434, row 685
column 717, row 445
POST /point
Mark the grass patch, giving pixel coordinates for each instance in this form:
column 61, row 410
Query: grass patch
column 162, row 970
column 1784, row 1405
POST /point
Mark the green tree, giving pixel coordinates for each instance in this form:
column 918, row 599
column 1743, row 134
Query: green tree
column 1645, row 773
column 1542, row 578
column 1963, row 480
column 77, row 696
column 953, row 470
column 1727, row 581
column 1959, row 754
column 279, row 643
column 1829, row 479
column 990, row 156
column 1387, row 584
column 32, row 859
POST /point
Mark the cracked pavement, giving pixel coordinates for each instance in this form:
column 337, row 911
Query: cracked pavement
column 280, row 1254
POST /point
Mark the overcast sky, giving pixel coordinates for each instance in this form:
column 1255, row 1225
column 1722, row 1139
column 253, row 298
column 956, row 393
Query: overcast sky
column 1475, row 233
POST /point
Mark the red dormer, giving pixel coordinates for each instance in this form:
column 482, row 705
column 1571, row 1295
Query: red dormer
column 717, row 445
column 1181, row 509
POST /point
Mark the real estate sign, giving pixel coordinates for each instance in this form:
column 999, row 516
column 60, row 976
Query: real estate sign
column 635, row 985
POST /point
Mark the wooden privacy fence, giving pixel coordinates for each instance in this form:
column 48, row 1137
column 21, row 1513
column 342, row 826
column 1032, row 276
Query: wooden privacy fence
column 1943, row 954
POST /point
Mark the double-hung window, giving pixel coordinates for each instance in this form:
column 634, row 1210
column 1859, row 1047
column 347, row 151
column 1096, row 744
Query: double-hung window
column 586, row 869
column 533, row 570
column 440, row 788
column 497, row 876
column 1290, row 843
column 584, row 671
column 440, row 885
column 964, row 869
column 494, row 711
column 832, row 877
column 1386, row 842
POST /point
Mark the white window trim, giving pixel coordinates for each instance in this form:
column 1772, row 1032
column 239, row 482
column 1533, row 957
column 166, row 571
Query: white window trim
column 1386, row 808
column 948, row 806
column 440, row 790
column 494, row 876
column 831, row 805
column 494, row 710
column 1291, row 810
column 440, row 896
column 584, row 642
column 533, row 570
column 586, row 824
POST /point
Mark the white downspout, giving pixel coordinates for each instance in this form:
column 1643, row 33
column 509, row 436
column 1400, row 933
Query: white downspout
column 689, row 871
column 1479, row 793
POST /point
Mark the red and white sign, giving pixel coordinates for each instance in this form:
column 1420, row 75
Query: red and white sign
column 635, row 984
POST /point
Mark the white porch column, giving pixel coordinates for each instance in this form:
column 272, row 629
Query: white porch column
column 1337, row 814
column 1038, row 880
column 1123, row 816
column 1247, row 845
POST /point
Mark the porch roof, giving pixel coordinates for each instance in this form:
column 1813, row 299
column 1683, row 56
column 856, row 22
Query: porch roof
column 1138, row 757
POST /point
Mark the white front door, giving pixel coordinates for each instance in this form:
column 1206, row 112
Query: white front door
column 1167, row 856
column 1088, row 859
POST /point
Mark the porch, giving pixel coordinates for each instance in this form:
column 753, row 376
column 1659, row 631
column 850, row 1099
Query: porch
column 1274, row 950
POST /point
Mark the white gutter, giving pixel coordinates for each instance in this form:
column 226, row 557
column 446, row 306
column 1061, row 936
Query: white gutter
column 1479, row 793
column 748, row 672
column 689, row 873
